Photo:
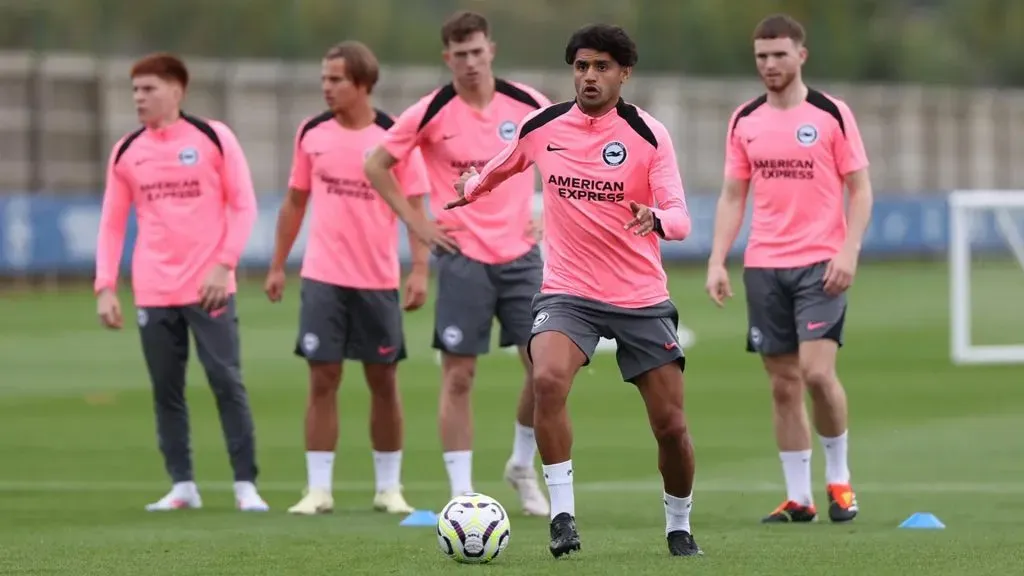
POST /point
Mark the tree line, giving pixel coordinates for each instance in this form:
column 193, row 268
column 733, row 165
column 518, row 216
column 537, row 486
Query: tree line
column 930, row 41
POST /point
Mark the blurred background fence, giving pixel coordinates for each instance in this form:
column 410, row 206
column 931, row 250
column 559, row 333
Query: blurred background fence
column 937, row 86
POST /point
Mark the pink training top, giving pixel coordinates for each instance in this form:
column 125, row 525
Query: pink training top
column 195, row 206
column 353, row 236
column 797, row 160
column 592, row 169
column 455, row 136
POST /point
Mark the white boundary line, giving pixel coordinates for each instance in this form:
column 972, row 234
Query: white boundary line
column 633, row 487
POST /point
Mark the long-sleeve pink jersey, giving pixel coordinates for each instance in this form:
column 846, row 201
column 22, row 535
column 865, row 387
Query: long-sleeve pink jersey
column 592, row 168
column 195, row 206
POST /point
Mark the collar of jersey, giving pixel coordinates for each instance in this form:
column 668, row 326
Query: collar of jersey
column 601, row 120
column 170, row 131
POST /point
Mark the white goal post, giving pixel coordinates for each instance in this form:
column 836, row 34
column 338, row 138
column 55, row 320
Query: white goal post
column 963, row 208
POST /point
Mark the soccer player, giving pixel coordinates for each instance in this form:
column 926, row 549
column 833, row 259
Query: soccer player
column 350, row 273
column 497, row 268
column 193, row 195
column 612, row 189
column 796, row 147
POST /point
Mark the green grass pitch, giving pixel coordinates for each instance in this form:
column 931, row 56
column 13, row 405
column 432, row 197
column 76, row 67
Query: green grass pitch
column 78, row 458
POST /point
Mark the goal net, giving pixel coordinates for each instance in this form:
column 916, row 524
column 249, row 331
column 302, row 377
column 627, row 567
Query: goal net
column 986, row 274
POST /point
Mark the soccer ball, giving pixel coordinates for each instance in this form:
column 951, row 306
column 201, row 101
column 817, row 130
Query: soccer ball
column 473, row 529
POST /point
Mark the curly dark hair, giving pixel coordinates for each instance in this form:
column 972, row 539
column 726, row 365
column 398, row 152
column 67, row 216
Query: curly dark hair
column 603, row 38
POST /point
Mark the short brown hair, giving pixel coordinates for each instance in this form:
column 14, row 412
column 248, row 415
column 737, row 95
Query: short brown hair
column 462, row 25
column 162, row 65
column 360, row 63
column 780, row 26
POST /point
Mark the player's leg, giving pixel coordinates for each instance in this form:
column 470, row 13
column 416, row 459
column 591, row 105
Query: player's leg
column 772, row 334
column 376, row 340
column 164, row 336
column 517, row 282
column 323, row 332
column 563, row 342
column 462, row 331
column 649, row 355
column 219, row 351
column 820, row 320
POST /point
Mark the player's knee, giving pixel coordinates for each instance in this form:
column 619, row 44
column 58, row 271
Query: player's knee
column 670, row 428
column 324, row 379
column 382, row 381
column 787, row 389
column 818, row 377
column 550, row 384
column 458, row 377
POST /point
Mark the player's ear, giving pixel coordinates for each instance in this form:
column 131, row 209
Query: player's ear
column 801, row 51
column 494, row 48
column 627, row 71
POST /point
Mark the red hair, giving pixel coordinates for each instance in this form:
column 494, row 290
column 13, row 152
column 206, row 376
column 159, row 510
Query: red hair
column 162, row 65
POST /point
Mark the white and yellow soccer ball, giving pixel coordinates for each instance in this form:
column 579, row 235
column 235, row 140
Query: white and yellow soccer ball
column 473, row 529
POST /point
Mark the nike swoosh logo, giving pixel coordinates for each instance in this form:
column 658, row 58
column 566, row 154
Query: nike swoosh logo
column 448, row 136
column 555, row 148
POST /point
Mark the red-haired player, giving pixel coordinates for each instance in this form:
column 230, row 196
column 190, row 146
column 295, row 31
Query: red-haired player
column 193, row 195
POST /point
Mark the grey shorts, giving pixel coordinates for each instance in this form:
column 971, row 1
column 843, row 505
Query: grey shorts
column 787, row 306
column 470, row 294
column 338, row 323
column 647, row 338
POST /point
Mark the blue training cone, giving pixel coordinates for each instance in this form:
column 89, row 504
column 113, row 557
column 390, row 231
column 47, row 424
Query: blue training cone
column 420, row 518
column 923, row 521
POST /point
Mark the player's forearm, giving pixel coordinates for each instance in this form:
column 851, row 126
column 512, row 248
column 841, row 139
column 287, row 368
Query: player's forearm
column 384, row 183
column 675, row 221
column 289, row 223
column 506, row 164
column 858, row 211
column 241, row 219
column 728, row 220
column 420, row 252
column 110, row 243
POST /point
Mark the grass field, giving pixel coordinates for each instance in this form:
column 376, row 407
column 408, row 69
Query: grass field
column 78, row 458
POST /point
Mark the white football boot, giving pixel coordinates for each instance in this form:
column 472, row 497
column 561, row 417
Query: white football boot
column 314, row 501
column 523, row 480
column 247, row 498
column 183, row 495
column 391, row 501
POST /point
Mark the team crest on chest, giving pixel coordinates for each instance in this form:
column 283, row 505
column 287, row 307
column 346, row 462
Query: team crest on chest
column 188, row 156
column 807, row 134
column 614, row 153
column 507, row 130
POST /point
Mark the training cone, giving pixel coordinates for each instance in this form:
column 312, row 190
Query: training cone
column 420, row 518
column 923, row 521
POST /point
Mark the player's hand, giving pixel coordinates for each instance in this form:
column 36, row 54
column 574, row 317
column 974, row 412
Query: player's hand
column 108, row 308
column 643, row 219
column 274, row 285
column 840, row 271
column 460, row 188
column 434, row 235
column 213, row 294
column 718, row 286
column 535, row 229
column 415, row 290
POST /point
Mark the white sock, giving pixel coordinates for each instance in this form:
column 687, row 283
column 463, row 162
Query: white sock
column 387, row 468
column 320, row 470
column 796, row 467
column 524, row 448
column 558, row 477
column 837, row 470
column 677, row 513
column 460, row 471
